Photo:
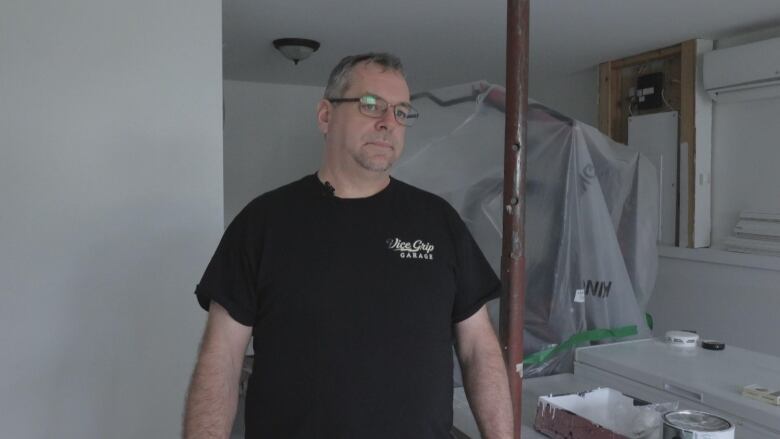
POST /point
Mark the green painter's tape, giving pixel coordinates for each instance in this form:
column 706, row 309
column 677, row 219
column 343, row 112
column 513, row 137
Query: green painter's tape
column 578, row 339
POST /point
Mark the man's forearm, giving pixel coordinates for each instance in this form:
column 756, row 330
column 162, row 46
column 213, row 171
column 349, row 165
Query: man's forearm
column 487, row 389
column 212, row 398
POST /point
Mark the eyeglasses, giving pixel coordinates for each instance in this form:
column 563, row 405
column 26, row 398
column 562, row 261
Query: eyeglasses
column 376, row 107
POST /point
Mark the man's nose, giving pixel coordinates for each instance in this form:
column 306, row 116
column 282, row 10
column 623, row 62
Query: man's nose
column 387, row 121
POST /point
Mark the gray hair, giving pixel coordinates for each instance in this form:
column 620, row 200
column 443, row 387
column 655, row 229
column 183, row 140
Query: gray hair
column 338, row 82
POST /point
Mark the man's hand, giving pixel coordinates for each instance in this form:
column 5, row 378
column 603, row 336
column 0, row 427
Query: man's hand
column 484, row 376
column 213, row 395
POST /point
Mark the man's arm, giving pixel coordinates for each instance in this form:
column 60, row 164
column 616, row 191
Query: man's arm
column 213, row 395
column 484, row 376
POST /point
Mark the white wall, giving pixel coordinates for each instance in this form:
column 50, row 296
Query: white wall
column 732, row 298
column 271, row 138
column 110, row 206
column 745, row 162
column 725, row 295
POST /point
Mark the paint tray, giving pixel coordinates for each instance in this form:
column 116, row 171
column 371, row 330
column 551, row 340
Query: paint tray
column 602, row 413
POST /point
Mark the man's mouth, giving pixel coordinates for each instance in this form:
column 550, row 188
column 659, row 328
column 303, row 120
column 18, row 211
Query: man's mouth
column 381, row 143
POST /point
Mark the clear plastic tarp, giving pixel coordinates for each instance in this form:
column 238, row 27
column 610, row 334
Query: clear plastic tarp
column 591, row 212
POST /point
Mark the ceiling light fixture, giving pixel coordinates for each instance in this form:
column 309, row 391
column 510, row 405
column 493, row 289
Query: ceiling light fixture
column 296, row 49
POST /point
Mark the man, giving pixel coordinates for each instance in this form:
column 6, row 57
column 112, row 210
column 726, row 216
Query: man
column 353, row 285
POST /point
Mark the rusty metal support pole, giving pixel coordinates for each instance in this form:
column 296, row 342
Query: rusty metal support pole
column 513, row 246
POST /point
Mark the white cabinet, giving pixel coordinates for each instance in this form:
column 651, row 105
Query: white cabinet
column 699, row 379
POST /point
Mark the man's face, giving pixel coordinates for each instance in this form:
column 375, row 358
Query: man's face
column 354, row 139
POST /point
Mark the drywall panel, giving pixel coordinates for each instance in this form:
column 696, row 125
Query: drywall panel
column 655, row 135
column 110, row 207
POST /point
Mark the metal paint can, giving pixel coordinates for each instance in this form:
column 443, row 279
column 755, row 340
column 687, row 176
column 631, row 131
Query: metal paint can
column 692, row 424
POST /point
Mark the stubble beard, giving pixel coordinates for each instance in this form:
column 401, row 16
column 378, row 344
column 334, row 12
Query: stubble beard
column 369, row 164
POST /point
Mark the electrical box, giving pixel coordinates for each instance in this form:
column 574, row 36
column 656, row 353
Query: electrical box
column 649, row 89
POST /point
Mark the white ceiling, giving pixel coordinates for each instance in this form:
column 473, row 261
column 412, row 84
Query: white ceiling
column 444, row 42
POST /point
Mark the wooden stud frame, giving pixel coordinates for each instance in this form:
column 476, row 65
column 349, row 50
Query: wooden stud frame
column 681, row 60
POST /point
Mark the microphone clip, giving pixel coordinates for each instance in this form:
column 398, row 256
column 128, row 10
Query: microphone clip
column 329, row 190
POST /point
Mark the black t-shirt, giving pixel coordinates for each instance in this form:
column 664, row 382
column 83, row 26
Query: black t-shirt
column 352, row 303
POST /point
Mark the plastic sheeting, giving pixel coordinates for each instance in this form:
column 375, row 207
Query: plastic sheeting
column 591, row 215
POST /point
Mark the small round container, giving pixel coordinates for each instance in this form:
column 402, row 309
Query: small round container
column 713, row 345
column 692, row 424
column 681, row 339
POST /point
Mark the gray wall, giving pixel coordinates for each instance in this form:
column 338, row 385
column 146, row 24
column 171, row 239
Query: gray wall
column 575, row 95
column 110, row 206
column 271, row 138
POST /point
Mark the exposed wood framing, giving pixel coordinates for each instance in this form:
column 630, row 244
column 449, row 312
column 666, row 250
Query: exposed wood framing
column 678, row 63
column 688, row 129
column 607, row 97
column 645, row 57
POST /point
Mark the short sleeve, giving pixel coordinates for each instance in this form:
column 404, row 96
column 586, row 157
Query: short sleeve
column 476, row 282
column 230, row 278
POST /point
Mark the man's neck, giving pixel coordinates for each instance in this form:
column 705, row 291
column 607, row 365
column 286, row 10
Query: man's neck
column 363, row 185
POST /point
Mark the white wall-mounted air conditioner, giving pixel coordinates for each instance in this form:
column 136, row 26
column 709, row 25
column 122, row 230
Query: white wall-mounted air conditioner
column 740, row 73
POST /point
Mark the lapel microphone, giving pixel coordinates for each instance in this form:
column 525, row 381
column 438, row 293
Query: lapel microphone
column 329, row 190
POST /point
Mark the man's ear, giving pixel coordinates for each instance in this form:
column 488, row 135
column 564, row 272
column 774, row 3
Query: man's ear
column 323, row 115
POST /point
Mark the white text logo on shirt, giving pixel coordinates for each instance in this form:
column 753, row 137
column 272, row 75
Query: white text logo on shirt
column 418, row 249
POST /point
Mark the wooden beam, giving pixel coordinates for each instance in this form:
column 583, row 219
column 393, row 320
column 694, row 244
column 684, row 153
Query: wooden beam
column 605, row 99
column 652, row 55
column 617, row 113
